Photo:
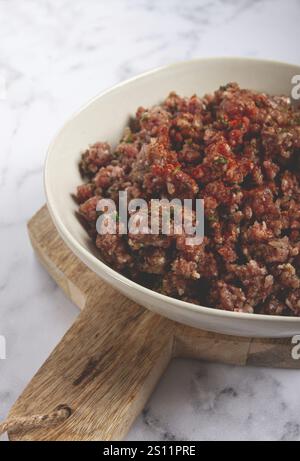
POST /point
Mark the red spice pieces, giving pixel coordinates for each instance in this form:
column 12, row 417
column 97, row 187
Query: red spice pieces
column 237, row 149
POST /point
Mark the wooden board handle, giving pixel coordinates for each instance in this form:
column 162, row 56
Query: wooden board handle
column 104, row 369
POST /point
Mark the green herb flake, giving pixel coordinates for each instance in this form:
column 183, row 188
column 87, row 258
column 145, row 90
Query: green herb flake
column 223, row 121
column 129, row 139
column 221, row 160
column 145, row 116
column 212, row 218
column 259, row 104
column 178, row 168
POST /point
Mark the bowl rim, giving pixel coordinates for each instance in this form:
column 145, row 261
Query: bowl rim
column 91, row 260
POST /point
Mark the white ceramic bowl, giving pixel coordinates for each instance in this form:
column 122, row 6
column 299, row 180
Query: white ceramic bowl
column 104, row 118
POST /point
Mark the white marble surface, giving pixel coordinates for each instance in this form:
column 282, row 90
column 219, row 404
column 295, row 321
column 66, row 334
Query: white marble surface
column 56, row 54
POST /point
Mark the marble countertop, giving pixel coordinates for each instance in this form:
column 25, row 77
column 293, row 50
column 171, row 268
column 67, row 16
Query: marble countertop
column 54, row 56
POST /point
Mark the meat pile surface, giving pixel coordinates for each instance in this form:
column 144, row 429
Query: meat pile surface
column 238, row 150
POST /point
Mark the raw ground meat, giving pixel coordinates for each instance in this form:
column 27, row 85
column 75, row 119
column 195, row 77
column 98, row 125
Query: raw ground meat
column 238, row 150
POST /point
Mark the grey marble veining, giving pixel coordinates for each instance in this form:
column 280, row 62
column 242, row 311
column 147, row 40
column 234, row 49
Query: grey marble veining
column 216, row 402
column 55, row 55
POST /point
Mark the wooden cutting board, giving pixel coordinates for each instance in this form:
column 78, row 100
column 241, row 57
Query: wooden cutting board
column 109, row 362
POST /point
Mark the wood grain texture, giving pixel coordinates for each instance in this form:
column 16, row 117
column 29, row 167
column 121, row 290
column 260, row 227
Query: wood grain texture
column 108, row 363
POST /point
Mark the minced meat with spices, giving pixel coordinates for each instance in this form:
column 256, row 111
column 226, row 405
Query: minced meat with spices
column 237, row 149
